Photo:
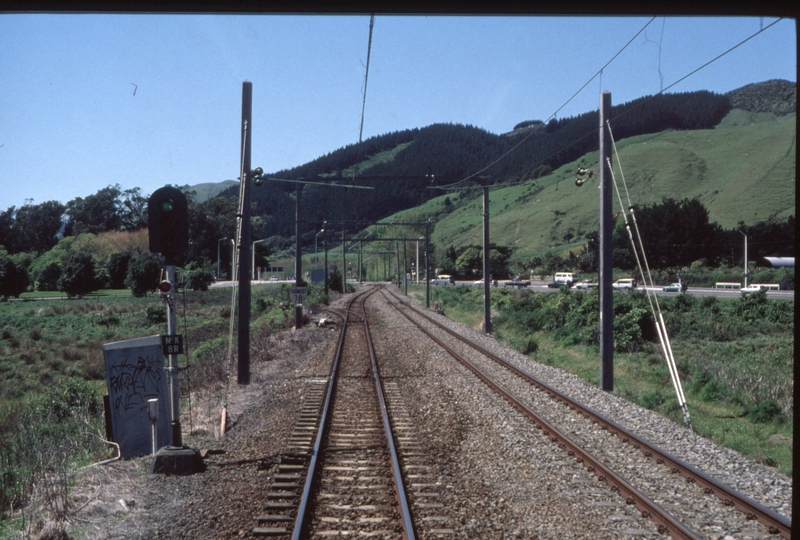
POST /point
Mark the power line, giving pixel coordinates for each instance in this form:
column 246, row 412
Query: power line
column 599, row 73
column 625, row 113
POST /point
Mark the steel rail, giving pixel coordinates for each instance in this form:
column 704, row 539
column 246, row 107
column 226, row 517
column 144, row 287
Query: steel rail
column 647, row 507
column 775, row 523
column 301, row 523
column 402, row 500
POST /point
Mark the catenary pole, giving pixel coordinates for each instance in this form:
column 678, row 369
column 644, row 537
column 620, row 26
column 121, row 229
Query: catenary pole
column 298, row 258
column 606, row 250
column 243, row 370
column 487, row 278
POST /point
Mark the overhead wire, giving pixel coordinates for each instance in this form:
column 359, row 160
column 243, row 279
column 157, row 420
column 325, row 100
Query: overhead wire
column 624, row 113
column 599, row 73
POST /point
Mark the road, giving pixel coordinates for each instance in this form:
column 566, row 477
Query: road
column 541, row 286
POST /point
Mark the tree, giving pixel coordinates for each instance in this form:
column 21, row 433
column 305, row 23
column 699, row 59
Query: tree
column 78, row 275
column 144, row 273
column 469, row 263
column 117, row 268
column 48, row 278
column 674, row 233
column 36, row 227
column 13, row 278
column 133, row 210
column 96, row 213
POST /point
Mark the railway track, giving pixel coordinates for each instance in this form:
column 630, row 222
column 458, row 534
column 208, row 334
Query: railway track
column 681, row 500
column 342, row 473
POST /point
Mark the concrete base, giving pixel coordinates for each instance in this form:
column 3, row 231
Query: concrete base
column 177, row 460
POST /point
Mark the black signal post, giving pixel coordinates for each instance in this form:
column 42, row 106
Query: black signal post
column 168, row 223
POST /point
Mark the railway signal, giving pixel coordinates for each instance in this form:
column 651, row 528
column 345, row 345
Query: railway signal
column 168, row 221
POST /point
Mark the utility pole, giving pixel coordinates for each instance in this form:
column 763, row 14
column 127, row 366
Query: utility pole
column 344, row 266
column 427, row 264
column 606, row 251
column 243, row 367
column 298, row 259
column 487, row 311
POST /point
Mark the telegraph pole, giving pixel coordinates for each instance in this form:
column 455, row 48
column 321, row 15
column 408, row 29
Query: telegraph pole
column 487, row 311
column 606, row 250
column 298, row 260
column 243, row 368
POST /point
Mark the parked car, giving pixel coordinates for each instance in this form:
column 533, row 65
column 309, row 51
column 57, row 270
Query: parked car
column 625, row 283
column 586, row 284
column 676, row 287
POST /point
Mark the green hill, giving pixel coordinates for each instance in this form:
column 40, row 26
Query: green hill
column 742, row 170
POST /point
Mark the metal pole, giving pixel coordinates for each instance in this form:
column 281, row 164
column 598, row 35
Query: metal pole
column 606, row 251
column 325, row 247
column 344, row 266
column 405, row 265
column 427, row 265
column 218, row 255
column 487, row 278
column 298, row 280
column 745, row 256
column 243, row 368
column 416, row 274
column 172, row 367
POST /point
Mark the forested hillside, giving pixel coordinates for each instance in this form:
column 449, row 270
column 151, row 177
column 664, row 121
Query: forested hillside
column 410, row 162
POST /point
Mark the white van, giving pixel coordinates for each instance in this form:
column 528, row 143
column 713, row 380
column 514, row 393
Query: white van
column 564, row 278
column 625, row 283
column 443, row 279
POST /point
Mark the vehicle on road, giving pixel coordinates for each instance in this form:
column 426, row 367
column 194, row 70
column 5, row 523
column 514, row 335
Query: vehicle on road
column 586, row 284
column 444, row 280
column 625, row 283
column 760, row 287
column 675, row 287
column 564, row 278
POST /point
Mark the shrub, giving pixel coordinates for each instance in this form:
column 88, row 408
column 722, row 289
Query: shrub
column 652, row 400
column 78, row 275
column 13, row 278
column 765, row 411
column 144, row 273
column 156, row 315
column 199, row 280
column 713, row 391
column 117, row 269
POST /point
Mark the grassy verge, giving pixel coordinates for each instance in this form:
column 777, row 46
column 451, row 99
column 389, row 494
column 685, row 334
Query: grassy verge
column 52, row 377
column 735, row 356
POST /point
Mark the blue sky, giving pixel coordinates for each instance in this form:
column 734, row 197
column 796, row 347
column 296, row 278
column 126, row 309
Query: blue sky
column 70, row 123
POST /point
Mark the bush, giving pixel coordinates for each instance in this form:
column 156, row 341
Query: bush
column 13, row 278
column 156, row 314
column 652, row 400
column 765, row 411
column 117, row 269
column 144, row 273
column 713, row 391
column 198, row 280
column 78, row 275
column 48, row 278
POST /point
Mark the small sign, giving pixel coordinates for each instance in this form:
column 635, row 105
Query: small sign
column 298, row 294
column 172, row 344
